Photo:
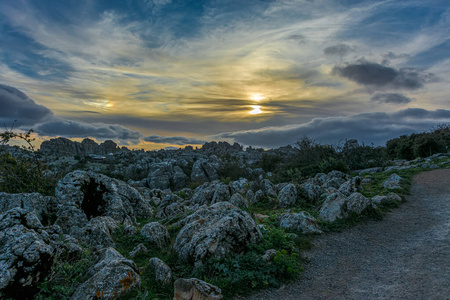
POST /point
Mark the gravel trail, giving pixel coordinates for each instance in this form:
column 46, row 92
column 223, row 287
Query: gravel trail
column 404, row 256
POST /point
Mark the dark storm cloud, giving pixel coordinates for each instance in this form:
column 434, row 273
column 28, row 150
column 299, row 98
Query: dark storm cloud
column 71, row 129
column 15, row 105
column 174, row 140
column 394, row 98
column 338, row 50
column 374, row 128
column 376, row 75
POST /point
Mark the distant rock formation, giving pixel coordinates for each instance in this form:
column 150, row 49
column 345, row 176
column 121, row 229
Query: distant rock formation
column 65, row 147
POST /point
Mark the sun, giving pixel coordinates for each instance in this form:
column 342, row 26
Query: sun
column 257, row 97
column 256, row 110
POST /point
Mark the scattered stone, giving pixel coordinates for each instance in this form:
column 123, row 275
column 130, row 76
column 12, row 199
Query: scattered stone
column 300, row 222
column 269, row 255
column 357, row 203
column 393, row 182
column 163, row 273
column 195, row 289
column 331, row 209
column 156, row 233
column 287, row 196
column 389, row 198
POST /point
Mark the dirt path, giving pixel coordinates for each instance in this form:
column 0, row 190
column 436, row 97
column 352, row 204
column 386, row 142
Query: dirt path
column 404, row 256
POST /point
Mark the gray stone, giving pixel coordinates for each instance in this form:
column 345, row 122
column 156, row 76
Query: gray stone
column 111, row 278
column 300, row 222
column 287, row 196
column 195, row 289
column 163, row 273
column 221, row 194
column 156, row 234
column 269, row 255
column 313, row 191
column 98, row 232
column 214, row 232
column 239, row 201
column 393, row 182
column 26, row 253
column 30, row 202
column 357, row 203
column 389, row 198
column 203, row 171
column 85, row 195
column 331, row 209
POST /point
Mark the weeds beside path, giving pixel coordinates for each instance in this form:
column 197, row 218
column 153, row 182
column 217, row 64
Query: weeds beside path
column 404, row 256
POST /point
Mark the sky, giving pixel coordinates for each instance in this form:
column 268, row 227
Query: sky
column 158, row 73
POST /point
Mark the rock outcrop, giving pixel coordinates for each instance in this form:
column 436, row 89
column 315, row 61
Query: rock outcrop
column 83, row 196
column 110, row 278
column 65, row 147
column 215, row 231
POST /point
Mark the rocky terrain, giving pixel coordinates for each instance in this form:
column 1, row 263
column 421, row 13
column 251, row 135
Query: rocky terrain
column 187, row 223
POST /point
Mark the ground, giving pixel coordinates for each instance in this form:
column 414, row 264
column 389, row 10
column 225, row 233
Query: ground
column 404, row 256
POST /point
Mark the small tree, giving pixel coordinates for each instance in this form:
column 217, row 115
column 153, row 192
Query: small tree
column 21, row 170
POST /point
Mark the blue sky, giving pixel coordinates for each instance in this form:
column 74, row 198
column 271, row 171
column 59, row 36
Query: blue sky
column 157, row 73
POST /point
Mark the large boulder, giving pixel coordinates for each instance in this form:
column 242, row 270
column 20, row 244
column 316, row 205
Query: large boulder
column 112, row 277
column 214, row 232
column 195, row 289
column 312, row 191
column 239, row 201
column 98, row 232
column 337, row 206
column 300, row 222
column 163, row 273
column 203, row 171
column 221, row 194
column 30, row 202
column 331, row 209
column 156, row 233
column 170, row 206
column 160, row 176
column 26, row 254
column 387, row 199
column 287, row 196
column 83, row 196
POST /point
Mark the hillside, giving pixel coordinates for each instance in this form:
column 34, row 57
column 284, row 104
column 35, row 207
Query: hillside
column 218, row 221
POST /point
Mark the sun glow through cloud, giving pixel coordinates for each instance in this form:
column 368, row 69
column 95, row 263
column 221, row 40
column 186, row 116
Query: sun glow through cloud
column 256, row 110
column 257, row 97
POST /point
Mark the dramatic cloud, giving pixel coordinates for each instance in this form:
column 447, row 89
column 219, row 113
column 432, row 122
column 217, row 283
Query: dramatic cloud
column 174, row 140
column 338, row 50
column 376, row 75
column 68, row 128
column 394, row 98
column 374, row 128
column 15, row 105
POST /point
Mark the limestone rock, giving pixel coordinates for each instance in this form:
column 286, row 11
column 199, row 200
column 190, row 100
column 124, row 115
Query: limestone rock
column 203, row 171
column 222, row 193
column 112, row 277
column 156, row 234
column 331, row 209
column 357, row 203
column 313, row 192
column 195, row 289
column 163, row 273
column 98, row 232
column 287, row 196
column 30, row 202
column 300, row 222
column 26, row 253
column 393, row 182
column 83, row 196
column 389, row 198
column 269, row 255
column 170, row 206
column 215, row 231
column 239, row 201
